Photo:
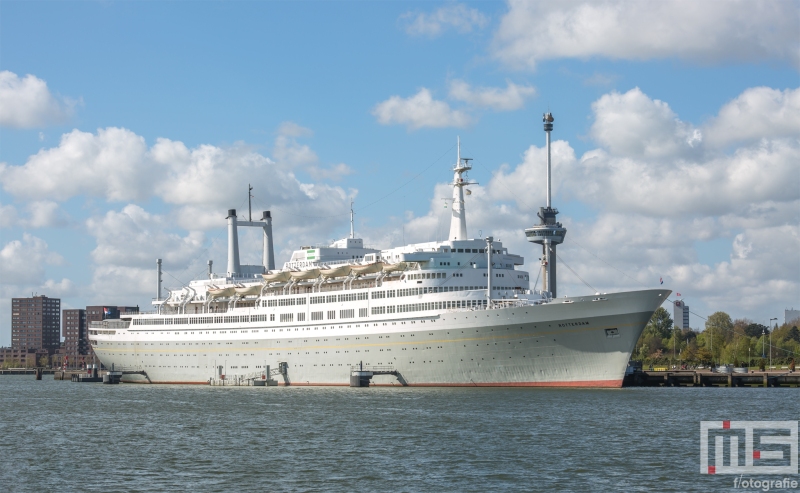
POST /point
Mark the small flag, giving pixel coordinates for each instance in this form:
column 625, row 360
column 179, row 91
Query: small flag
column 677, row 294
column 661, row 280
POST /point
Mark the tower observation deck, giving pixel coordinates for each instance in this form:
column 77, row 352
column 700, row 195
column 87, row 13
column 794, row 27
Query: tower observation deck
column 549, row 233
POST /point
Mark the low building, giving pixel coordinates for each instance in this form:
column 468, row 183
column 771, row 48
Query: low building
column 11, row 357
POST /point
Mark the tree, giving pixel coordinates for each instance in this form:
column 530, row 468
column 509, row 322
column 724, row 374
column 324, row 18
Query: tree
column 755, row 330
column 660, row 323
column 720, row 326
column 704, row 355
column 794, row 334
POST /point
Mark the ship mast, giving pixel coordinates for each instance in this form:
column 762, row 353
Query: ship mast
column 249, row 203
column 352, row 226
column 458, row 220
column 549, row 233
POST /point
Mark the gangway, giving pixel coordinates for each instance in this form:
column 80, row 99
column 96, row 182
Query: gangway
column 361, row 376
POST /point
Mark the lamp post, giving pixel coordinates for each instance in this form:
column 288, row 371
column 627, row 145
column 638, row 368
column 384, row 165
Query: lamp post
column 770, row 340
column 711, row 336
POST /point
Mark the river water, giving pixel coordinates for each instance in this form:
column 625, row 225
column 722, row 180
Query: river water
column 65, row 436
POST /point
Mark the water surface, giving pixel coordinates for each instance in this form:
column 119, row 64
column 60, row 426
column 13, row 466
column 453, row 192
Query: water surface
column 65, row 436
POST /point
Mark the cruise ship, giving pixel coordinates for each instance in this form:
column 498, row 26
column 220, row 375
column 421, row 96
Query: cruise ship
column 457, row 312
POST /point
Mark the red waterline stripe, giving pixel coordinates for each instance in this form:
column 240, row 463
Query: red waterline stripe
column 580, row 384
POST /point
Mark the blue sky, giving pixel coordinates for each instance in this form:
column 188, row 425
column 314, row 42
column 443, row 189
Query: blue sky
column 127, row 129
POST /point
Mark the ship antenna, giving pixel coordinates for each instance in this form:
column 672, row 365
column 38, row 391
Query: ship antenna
column 249, row 203
column 352, row 229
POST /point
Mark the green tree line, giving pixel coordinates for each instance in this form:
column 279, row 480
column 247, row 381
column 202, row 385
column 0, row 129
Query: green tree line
column 724, row 341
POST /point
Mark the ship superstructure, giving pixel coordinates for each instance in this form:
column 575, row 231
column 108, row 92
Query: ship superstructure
column 454, row 312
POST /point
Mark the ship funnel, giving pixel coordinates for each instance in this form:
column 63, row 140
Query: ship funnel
column 269, row 253
column 158, row 275
column 234, row 267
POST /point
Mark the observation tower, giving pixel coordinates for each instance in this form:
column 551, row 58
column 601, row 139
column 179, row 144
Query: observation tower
column 549, row 233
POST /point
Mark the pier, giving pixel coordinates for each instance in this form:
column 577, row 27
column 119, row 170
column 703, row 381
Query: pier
column 255, row 379
column 696, row 378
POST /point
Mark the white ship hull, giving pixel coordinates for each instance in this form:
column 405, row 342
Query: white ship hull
column 582, row 342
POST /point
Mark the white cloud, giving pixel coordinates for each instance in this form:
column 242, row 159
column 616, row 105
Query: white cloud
column 111, row 164
column 632, row 124
column 431, row 24
column 22, row 261
column 633, row 30
column 648, row 162
column 291, row 129
column 757, row 113
column 46, row 214
column 205, row 181
column 288, row 151
column 26, row 102
column 41, row 214
column 651, row 205
column 133, row 237
column 418, row 111
column 511, row 98
column 333, row 173
column 8, row 216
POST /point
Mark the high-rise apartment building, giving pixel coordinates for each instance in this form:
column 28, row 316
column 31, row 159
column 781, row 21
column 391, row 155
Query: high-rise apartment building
column 36, row 323
column 76, row 330
column 76, row 340
column 681, row 315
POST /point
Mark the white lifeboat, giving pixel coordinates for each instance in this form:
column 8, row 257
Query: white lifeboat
column 279, row 276
column 338, row 271
column 305, row 274
column 368, row 268
column 253, row 290
column 220, row 292
column 398, row 267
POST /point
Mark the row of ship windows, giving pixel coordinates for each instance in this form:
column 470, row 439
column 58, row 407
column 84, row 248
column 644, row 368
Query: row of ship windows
column 288, row 329
column 315, row 316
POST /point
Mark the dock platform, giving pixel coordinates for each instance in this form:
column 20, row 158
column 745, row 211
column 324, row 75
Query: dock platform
column 696, row 378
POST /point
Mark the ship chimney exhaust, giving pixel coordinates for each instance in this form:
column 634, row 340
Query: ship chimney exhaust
column 234, row 267
column 158, row 279
column 269, row 253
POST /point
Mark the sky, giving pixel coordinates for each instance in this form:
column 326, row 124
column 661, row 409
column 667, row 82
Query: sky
column 128, row 129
